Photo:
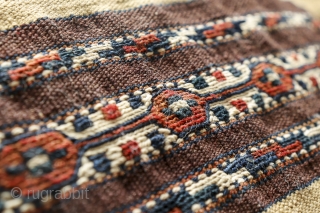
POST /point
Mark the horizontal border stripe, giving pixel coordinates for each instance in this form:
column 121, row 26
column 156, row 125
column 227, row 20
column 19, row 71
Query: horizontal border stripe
column 47, row 34
column 48, row 98
column 29, row 71
column 304, row 60
column 21, row 12
column 304, row 198
column 133, row 184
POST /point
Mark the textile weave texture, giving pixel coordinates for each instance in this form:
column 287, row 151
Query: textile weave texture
column 159, row 106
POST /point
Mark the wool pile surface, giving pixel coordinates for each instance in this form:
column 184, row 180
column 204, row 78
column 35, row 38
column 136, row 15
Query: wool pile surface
column 159, row 106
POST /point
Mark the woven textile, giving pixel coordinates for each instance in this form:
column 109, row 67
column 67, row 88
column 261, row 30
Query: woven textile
column 159, row 106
